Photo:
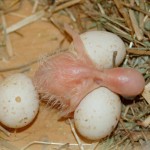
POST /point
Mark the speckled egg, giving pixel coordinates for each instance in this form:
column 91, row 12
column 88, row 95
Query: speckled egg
column 98, row 114
column 19, row 101
column 100, row 46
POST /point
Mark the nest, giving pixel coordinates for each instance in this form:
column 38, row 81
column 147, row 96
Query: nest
column 130, row 20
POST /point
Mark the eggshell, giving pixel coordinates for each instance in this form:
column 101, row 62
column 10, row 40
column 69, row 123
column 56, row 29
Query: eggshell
column 98, row 114
column 19, row 101
column 100, row 46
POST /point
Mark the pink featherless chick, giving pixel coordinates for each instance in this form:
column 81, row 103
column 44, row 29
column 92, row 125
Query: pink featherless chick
column 67, row 77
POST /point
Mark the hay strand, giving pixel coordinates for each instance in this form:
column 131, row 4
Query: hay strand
column 32, row 18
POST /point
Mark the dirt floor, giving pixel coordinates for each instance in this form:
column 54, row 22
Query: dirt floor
column 30, row 43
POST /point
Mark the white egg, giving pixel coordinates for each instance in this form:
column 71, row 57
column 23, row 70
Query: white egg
column 100, row 46
column 98, row 114
column 19, row 101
